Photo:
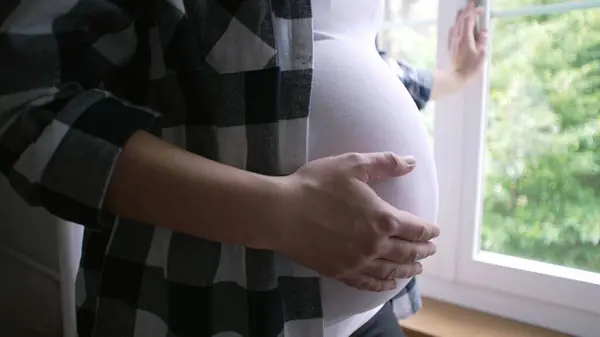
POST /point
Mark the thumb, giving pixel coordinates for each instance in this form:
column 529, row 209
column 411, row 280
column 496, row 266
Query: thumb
column 384, row 165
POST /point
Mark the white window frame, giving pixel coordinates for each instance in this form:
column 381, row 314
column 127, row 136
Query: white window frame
column 559, row 298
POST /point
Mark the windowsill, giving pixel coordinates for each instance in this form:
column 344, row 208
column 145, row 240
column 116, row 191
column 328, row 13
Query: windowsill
column 440, row 319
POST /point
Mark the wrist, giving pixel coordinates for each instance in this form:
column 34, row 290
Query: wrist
column 457, row 77
column 446, row 82
column 268, row 205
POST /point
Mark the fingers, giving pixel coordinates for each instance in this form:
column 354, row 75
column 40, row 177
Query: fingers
column 450, row 35
column 472, row 5
column 482, row 45
column 454, row 30
column 458, row 14
column 407, row 252
column 472, row 15
column 380, row 165
column 381, row 275
column 459, row 25
column 482, row 39
column 404, row 225
column 469, row 23
column 466, row 20
column 388, row 270
column 367, row 282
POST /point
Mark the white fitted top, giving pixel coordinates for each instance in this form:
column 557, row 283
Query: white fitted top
column 359, row 105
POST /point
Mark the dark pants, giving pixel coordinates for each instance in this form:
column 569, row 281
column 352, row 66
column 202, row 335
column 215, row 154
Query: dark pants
column 383, row 324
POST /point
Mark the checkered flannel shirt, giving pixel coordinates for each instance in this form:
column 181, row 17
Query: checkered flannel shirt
column 226, row 79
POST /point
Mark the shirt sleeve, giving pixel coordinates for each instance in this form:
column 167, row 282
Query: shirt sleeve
column 60, row 138
column 418, row 82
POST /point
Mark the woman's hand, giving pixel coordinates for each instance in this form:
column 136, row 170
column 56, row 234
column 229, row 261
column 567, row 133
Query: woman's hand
column 335, row 224
column 467, row 48
column 466, row 45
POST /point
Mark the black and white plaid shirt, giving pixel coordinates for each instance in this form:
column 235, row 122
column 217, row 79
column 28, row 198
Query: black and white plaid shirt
column 226, row 79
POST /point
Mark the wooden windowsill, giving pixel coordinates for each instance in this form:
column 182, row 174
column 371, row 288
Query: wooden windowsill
column 440, row 319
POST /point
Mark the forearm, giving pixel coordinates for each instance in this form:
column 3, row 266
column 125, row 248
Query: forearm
column 160, row 184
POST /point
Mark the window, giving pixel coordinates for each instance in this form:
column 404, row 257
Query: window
column 518, row 154
column 410, row 34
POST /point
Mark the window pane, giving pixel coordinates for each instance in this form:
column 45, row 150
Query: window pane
column 411, row 10
column 513, row 4
column 542, row 167
column 410, row 31
column 414, row 42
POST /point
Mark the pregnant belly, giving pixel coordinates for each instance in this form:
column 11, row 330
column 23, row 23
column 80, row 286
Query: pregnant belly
column 359, row 105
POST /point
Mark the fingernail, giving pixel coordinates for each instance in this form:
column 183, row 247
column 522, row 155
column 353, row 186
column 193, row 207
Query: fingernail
column 410, row 160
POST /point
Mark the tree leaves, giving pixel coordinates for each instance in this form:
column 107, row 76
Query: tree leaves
column 542, row 168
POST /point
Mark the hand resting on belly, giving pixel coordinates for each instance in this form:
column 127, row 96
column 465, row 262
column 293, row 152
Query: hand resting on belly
column 358, row 105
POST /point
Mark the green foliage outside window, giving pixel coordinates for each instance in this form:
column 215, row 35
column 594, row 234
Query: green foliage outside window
column 542, row 192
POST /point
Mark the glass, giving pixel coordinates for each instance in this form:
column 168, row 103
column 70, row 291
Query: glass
column 412, row 38
column 411, row 11
column 514, row 4
column 542, row 164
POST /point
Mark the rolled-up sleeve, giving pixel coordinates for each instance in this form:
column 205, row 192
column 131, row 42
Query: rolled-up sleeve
column 60, row 138
column 418, row 82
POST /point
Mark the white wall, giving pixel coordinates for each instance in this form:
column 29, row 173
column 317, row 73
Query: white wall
column 31, row 267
